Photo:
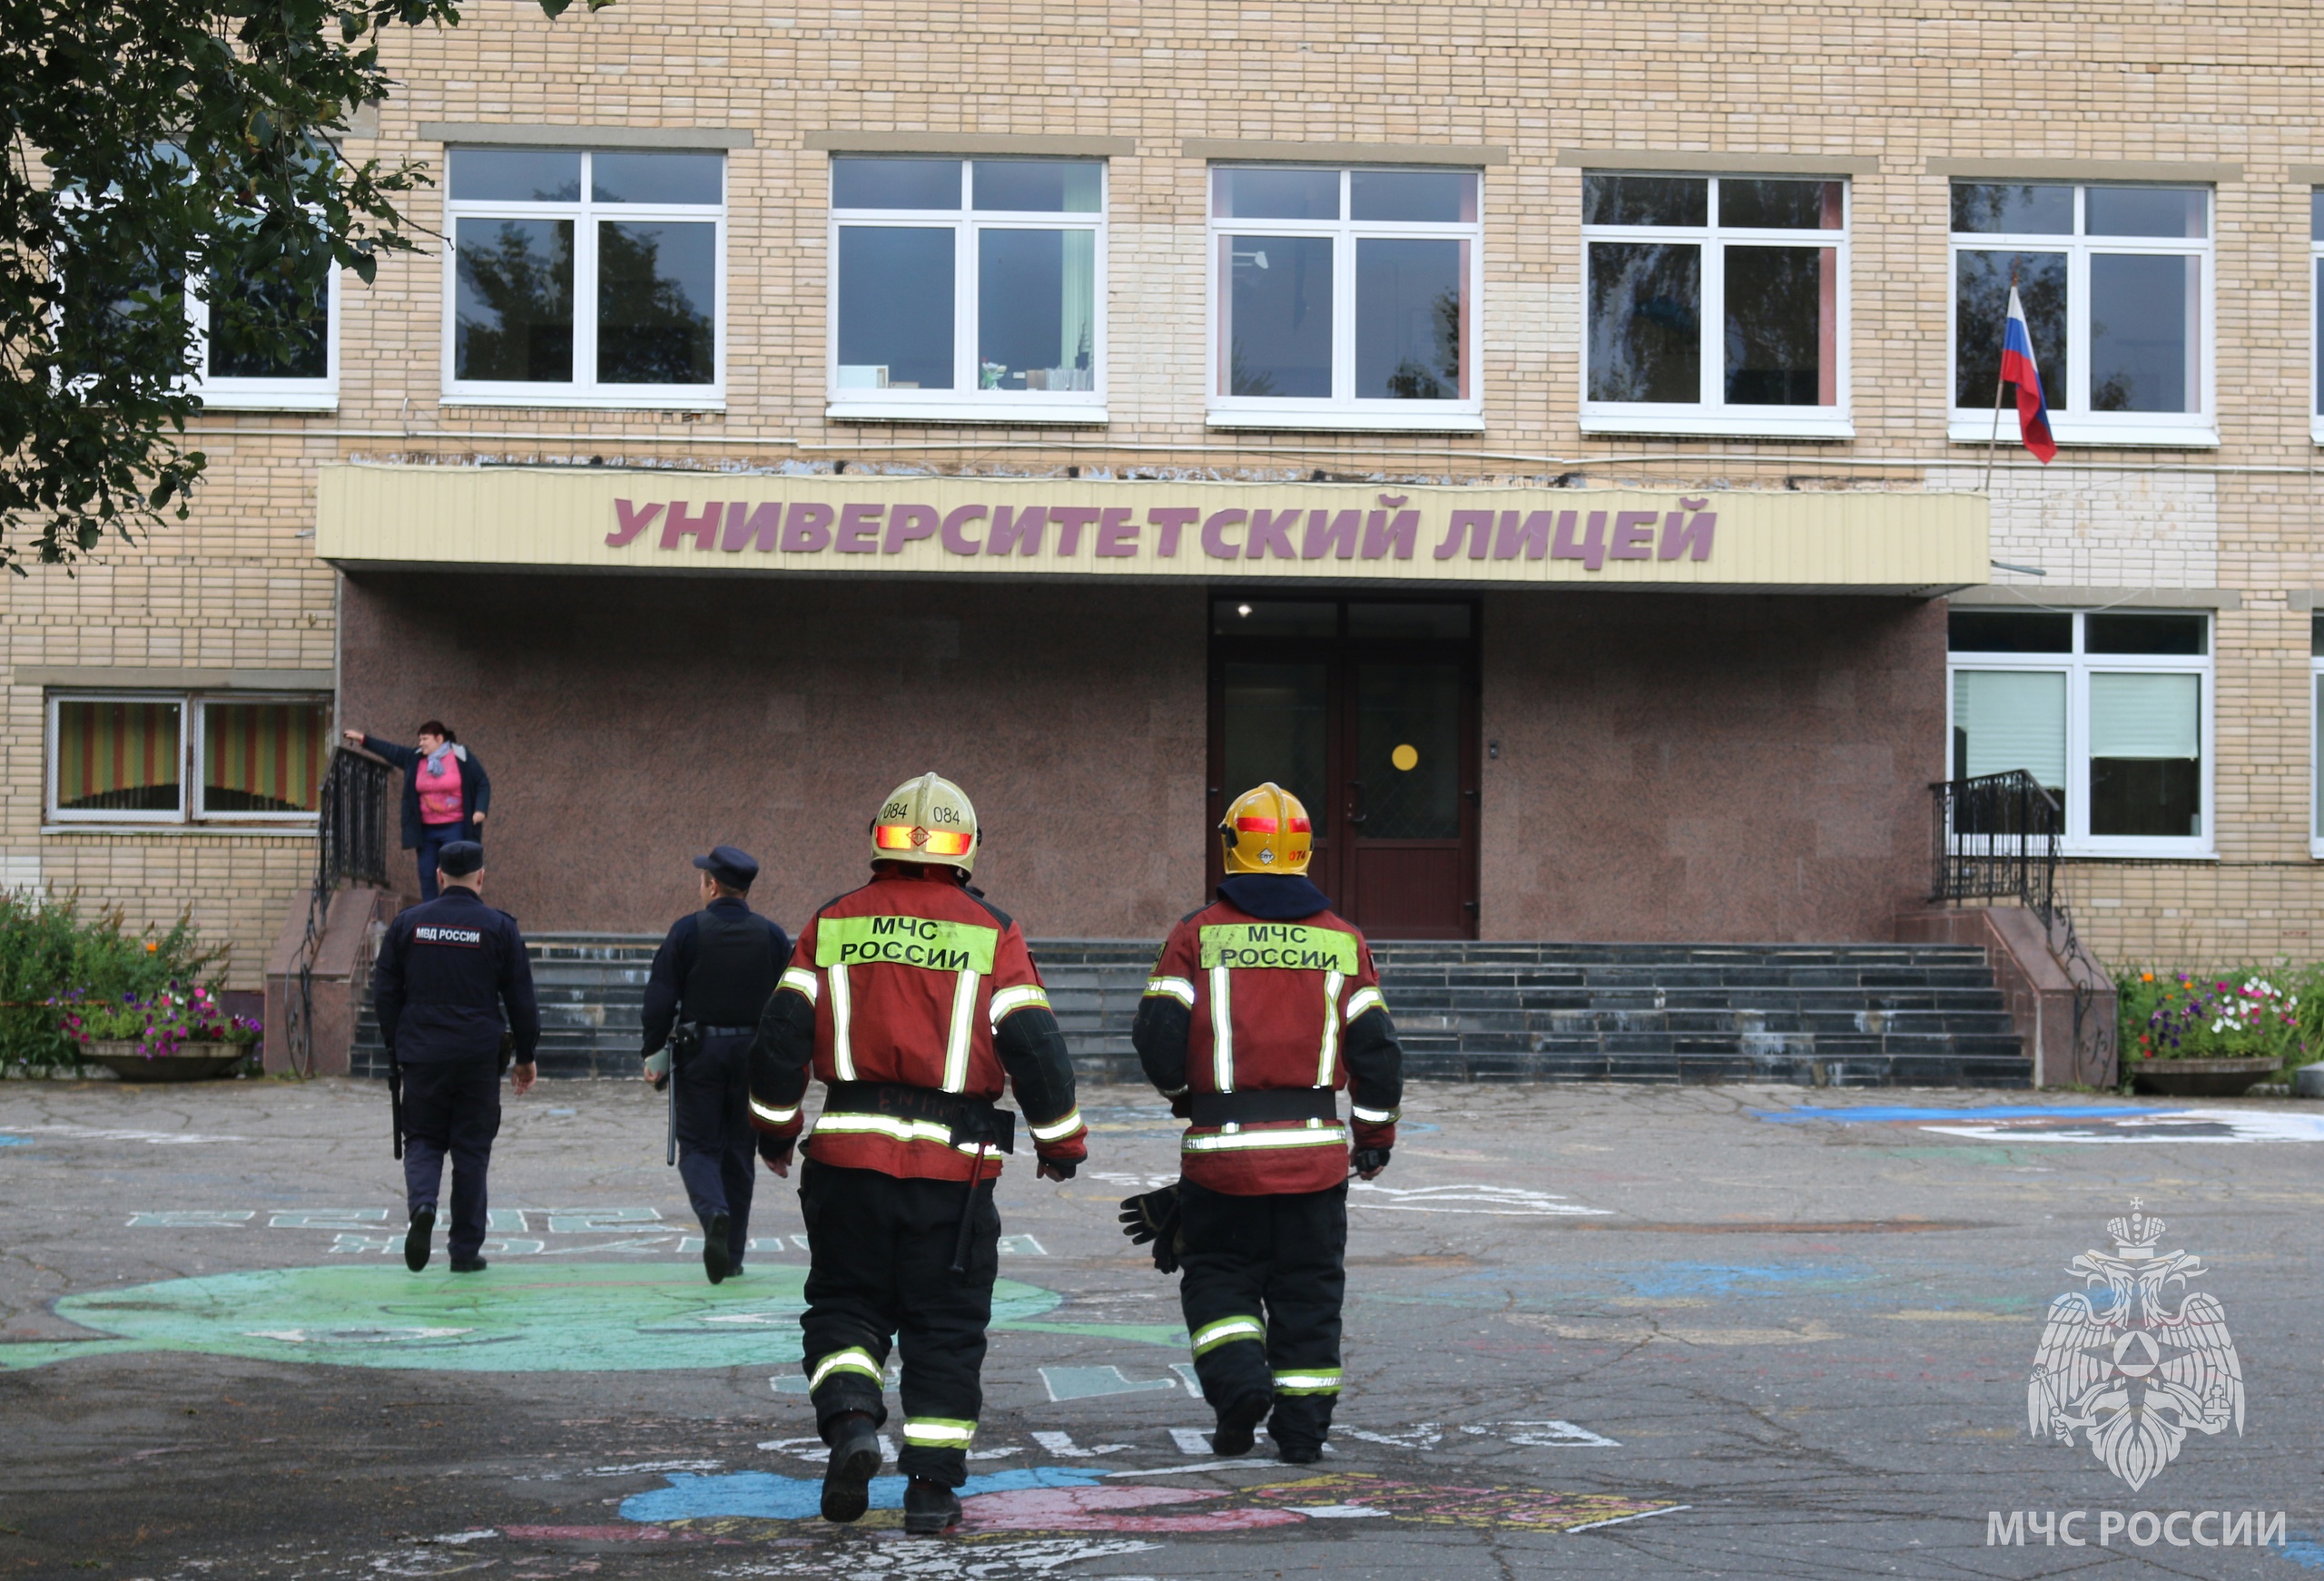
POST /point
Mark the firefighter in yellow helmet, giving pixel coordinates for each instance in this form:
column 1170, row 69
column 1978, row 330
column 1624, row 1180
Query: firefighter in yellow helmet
column 911, row 999
column 1262, row 1006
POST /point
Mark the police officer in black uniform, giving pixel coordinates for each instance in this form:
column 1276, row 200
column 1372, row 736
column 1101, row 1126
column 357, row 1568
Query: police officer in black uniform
column 712, row 977
column 451, row 979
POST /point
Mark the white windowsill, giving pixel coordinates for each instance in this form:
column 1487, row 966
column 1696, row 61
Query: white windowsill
column 2081, row 435
column 1342, row 420
column 320, row 401
column 2316, row 432
column 1048, row 412
column 2139, row 850
column 549, row 399
column 277, row 830
column 1727, row 425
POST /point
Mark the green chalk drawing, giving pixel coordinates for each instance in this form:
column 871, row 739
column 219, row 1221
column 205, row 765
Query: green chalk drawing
column 581, row 1317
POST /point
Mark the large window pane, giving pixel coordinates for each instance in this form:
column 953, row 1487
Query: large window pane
column 657, row 178
column 1266, row 617
column 1981, row 303
column 519, row 175
column 1977, row 630
column 1991, row 209
column 2144, row 313
column 1412, row 315
column 1280, row 194
column 513, row 310
column 657, row 285
column 2145, row 755
column 1751, row 203
column 1781, row 310
column 1278, row 330
column 1407, row 750
column 286, row 333
column 2145, row 633
column 1275, row 731
column 263, row 757
column 117, row 757
column 1443, row 197
column 1037, row 304
column 895, row 308
column 2182, row 212
column 1645, row 200
column 1645, row 321
column 1042, row 186
column 2010, row 719
column 895, row 183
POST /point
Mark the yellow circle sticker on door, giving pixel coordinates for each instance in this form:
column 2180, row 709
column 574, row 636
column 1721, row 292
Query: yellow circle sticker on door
column 1405, row 757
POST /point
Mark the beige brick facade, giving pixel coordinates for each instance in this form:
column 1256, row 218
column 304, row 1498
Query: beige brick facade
column 1873, row 91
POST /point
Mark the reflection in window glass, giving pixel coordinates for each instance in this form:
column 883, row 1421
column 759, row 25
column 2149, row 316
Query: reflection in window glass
column 1645, row 200
column 1781, row 318
column 1407, row 750
column 895, row 183
column 1442, row 197
column 1412, row 315
column 657, row 178
column 117, row 757
column 299, row 310
column 263, row 757
column 1991, row 209
column 2180, row 211
column 1278, row 331
column 657, row 286
column 2145, row 314
column 1241, row 194
column 895, row 308
column 1778, row 205
column 1267, row 617
column 1977, row 630
column 1424, row 621
column 2145, row 633
column 2004, row 720
column 1645, row 322
column 1274, row 730
column 1038, row 186
column 2145, row 754
column 515, row 175
column 1981, row 304
column 513, row 308
column 1037, row 306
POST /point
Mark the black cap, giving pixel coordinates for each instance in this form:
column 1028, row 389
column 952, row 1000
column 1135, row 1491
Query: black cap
column 737, row 870
column 460, row 858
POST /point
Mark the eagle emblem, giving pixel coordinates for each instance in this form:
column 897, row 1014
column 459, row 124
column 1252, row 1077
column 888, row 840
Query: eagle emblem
column 2119, row 1364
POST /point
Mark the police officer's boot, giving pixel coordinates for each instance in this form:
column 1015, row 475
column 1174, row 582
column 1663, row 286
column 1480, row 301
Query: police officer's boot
column 931, row 1508
column 714, row 1246
column 847, row 1475
column 1237, row 1423
column 414, row 1239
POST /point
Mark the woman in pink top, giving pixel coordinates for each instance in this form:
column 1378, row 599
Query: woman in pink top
column 446, row 793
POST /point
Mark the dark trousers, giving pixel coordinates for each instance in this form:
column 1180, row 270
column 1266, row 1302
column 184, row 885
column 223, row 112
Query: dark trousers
column 1263, row 1282
column 452, row 1108
column 433, row 839
column 717, row 1151
column 879, row 1251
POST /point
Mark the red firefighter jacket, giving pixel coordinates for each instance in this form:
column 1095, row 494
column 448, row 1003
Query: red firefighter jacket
column 911, row 982
column 1250, row 1026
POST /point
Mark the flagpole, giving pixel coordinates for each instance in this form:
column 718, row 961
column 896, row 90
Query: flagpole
column 1994, row 443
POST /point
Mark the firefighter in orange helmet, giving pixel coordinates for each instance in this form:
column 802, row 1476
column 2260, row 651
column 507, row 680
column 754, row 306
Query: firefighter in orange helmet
column 911, row 999
column 1262, row 1006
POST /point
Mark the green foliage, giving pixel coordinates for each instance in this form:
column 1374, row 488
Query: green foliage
column 147, row 146
column 160, row 1024
column 2239, row 1013
column 48, row 951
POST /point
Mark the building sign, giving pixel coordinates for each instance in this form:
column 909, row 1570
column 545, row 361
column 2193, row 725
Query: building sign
column 711, row 523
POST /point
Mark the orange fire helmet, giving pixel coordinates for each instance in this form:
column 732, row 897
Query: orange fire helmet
column 926, row 819
column 1266, row 831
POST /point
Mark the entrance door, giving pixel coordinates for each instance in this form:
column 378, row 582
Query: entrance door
column 1366, row 711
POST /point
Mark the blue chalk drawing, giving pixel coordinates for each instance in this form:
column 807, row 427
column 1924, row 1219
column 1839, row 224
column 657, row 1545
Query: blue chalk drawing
column 8, row 1141
column 1090, row 1383
column 2304, row 1551
column 1678, row 1279
column 769, row 1497
column 1889, row 1114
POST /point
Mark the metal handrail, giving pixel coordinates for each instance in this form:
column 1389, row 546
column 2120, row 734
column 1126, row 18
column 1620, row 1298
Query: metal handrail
column 1996, row 837
column 351, row 843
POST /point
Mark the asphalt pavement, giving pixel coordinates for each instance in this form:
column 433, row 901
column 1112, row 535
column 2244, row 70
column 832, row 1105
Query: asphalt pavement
column 1592, row 1331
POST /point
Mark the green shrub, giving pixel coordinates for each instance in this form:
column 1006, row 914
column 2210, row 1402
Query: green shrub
column 2241, row 1013
column 49, row 952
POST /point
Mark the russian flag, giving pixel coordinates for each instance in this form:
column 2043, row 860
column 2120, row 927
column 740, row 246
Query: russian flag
column 2017, row 367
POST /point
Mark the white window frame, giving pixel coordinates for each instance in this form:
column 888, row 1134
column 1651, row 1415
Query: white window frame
column 964, row 402
column 2315, row 319
column 269, row 394
column 2078, row 667
column 2072, row 422
column 1712, row 415
column 2315, row 742
column 583, row 390
column 193, row 714
column 1343, row 411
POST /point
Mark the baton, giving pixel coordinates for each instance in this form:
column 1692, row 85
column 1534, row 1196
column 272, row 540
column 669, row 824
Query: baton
column 969, row 1215
column 670, row 1150
column 395, row 1100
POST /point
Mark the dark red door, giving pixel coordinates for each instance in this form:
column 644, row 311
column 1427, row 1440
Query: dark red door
column 1366, row 711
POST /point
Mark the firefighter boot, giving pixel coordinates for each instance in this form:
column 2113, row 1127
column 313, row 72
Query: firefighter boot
column 931, row 1508
column 847, row 1475
column 1237, row 1423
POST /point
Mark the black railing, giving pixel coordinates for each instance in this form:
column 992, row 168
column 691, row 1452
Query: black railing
column 1996, row 838
column 351, row 843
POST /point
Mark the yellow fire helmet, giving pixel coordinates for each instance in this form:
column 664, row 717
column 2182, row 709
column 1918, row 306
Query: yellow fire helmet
column 926, row 819
column 1266, row 831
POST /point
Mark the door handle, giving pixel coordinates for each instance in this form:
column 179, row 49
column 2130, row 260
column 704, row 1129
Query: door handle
column 1356, row 814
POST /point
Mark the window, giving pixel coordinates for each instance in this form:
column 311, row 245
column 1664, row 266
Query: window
column 2116, row 283
column 2316, row 310
column 1716, row 305
column 969, row 288
column 586, row 278
column 2315, row 734
column 2110, row 711
column 1344, row 298
column 131, row 758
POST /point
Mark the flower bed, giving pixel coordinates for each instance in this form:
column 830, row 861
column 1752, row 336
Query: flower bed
column 172, row 1022
column 2276, row 1015
column 52, row 952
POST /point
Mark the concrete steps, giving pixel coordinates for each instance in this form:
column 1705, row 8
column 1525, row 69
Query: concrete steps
column 1837, row 1015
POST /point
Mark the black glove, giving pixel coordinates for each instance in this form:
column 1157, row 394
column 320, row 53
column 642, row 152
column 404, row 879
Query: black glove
column 1368, row 1161
column 776, row 1149
column 1155, row 1217
column 1060, row 1168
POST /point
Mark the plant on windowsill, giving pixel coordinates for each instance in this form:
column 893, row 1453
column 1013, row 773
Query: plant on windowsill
column 2214, row 1035
column 174, row 1035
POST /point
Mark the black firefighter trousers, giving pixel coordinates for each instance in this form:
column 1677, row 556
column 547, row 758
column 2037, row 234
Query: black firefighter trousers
column 1262, row 1282
column 880, row 1253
